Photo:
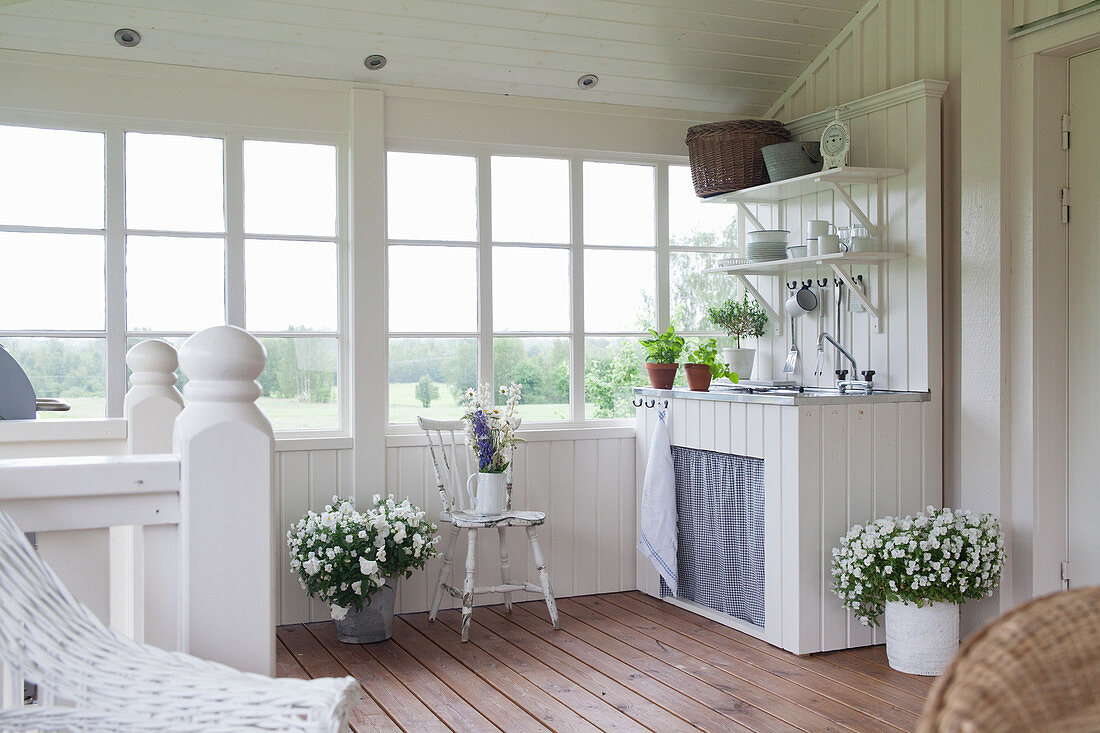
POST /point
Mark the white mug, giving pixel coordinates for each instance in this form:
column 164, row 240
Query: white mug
column 811, row 247
column 491, row 496
column 801, row 302
column 863, row 244
column 816, row 227
column 828, row 244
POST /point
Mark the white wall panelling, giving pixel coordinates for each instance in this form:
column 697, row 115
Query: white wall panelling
column 826, row 467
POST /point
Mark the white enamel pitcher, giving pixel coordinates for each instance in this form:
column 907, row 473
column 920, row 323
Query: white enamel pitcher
column 491, row 496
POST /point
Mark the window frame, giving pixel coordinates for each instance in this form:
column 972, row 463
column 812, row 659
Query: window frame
column 116, row 330
column 576, row 334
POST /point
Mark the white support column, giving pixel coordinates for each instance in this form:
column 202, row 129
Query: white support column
column 144, row 570
column 227, row 503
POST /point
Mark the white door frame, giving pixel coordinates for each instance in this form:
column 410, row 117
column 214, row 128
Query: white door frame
column 1039, row 348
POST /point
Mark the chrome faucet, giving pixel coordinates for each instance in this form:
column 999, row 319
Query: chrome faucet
column 859, row 386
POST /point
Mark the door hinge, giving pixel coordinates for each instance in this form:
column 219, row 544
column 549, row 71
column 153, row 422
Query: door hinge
column 1065, row 132
column 1065, row 206
column 1065, row 572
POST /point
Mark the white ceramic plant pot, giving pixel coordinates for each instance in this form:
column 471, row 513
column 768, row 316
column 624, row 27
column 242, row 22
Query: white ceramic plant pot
column 740, row 361
column 921, row 640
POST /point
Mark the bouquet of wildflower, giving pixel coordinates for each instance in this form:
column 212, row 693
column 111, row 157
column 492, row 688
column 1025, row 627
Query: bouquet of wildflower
column 490, row 430
column 939, row 555
column 342, row 557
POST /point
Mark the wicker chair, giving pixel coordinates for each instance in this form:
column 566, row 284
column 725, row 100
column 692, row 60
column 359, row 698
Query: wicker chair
column 1036, row 668
column 108, row 682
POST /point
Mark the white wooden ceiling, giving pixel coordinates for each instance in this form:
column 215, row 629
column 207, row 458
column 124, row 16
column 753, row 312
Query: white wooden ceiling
column 724, row 56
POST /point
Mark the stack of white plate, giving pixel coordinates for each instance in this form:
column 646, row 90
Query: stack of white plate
column 767, row 245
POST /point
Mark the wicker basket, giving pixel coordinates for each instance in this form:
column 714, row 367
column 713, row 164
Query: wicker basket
column 725, row 156
column 1035, row 669
column 793, row 159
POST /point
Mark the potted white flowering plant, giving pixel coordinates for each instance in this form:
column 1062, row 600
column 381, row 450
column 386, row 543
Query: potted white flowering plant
column 918, row 570
column 352, row 561
column 491, row 434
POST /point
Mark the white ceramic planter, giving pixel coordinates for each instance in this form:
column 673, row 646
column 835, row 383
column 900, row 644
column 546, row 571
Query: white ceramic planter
column 740, row 361
column 921, row 640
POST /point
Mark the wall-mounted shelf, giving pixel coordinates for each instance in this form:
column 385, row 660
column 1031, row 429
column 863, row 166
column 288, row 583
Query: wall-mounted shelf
column 835, row 262
column 829, row 180
column 790, row 188
column 833, row 180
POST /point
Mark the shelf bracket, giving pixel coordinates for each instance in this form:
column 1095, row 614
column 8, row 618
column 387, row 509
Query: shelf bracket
column 857, row 212
column 776, row 320
column 853, row 289
column 744, row 212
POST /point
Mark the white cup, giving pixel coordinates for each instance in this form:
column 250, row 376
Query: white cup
column 801, row 302
column 863, row 244
column 816, row 227
column 828, row 244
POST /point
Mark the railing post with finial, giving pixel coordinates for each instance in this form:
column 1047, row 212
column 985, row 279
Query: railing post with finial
column 143, row 578
column 227, row 503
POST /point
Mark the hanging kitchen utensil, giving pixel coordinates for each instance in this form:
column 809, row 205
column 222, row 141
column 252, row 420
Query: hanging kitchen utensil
column 792, row 355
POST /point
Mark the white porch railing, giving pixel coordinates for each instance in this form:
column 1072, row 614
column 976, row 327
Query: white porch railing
column 191, row 511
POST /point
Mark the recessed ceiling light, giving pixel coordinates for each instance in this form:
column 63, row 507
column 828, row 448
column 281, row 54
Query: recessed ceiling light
column 587, row 81
column 127, row 37
column 375, row 61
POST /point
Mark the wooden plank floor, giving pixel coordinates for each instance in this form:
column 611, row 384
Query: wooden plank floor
column 622, row 662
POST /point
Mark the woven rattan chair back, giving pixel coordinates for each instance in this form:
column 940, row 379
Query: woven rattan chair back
column 108, row 682
column 1036, row 668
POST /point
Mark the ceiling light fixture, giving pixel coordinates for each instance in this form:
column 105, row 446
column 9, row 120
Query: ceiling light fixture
column 587, row 81
column 375, row 61
column 127, row 37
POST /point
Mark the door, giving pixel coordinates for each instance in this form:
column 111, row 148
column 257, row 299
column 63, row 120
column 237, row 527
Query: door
column 1084, row 320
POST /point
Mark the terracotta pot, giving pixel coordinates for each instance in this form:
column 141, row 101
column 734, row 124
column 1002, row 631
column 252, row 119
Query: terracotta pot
column 698, row 376
column 661, row 376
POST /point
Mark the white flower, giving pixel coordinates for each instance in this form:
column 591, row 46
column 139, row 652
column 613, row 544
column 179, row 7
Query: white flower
column 381, row 555
column 368, row 567
column 338, row 612
column 357, row 586
column 311, row 566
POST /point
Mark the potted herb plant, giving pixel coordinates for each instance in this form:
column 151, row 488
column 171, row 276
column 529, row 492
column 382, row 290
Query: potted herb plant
column 918, row 570
column 740, row 319
column 352, row 561
column 663, row 357
column 702, row 366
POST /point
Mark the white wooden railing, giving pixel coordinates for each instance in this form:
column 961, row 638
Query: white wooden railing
column 191, row 510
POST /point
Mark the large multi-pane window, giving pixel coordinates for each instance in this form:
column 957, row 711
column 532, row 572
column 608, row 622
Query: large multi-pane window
column 188, row 232
column 544, row 271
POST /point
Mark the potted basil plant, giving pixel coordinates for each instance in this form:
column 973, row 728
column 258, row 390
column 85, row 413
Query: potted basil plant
column 663, row 357
column 702, row 366
column 740, row 319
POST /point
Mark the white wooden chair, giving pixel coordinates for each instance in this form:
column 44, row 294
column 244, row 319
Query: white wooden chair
column 96, row 679
column 451, row 473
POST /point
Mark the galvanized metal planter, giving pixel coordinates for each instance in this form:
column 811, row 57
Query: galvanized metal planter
column 372, row 624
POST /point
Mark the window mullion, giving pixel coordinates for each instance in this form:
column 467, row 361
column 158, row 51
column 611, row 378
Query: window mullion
column 664, row 317
column 115, row 267
column 576, row 229
column 485, row 271
column 234, row 228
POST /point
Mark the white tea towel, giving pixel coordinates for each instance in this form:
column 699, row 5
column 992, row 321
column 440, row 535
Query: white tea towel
column 658, row 541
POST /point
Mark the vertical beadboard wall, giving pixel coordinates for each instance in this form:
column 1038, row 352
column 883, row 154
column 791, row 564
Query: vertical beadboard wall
column 897, row 129
column 586, row 487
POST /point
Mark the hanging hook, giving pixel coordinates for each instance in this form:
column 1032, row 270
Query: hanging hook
column 823, row 282
column 637, row 402
column 806, row 285
column 792, row 285
column 650, row 403
column 666, row 404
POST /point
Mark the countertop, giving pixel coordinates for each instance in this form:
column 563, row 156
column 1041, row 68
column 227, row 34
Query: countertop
column 783, row 396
